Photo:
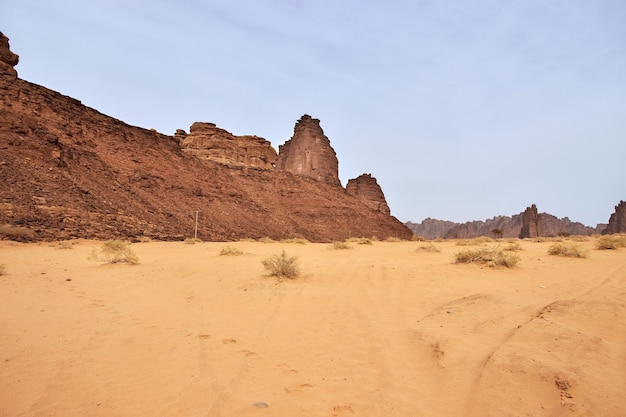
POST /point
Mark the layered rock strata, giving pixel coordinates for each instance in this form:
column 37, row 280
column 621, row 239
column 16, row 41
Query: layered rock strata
column 308, row 153
column 366, row 188
column 207, row 141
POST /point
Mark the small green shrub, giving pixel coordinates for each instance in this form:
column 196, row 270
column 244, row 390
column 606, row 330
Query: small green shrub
column 341, row 245
column 611, row 242
column 570, row 250
column 282, row 266
column 230, row 251
column 114, row 252
column 492, row 257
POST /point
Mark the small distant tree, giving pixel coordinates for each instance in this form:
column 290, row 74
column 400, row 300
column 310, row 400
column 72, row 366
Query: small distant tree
column 497, row 233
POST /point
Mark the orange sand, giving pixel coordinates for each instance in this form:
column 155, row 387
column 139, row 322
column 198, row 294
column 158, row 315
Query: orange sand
column 378, row 330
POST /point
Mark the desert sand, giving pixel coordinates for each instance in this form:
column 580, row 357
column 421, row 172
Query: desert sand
column 377, row 330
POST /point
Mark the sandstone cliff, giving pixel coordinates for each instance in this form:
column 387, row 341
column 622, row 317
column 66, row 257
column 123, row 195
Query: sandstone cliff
column 308, row 153
column 366, row 188
column 532, row 223
column 8, row 59
column 69, row 171
column 207, row 141
column 617, row 221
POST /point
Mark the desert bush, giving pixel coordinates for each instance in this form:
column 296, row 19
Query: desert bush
column 192, row 241
column 282, row 266
column 430, row 247
column 17, row 233
column 360, row 240
column 230, row 251
column 393, row 239
column 340, row 245
column 65, row 245
column 512, row 247
column 611, row 242
column 418, row 238
column 114, row 252
column 3, row 269
column 570, row 250
column 267, row 240
column 298, row 240
column 492, row 257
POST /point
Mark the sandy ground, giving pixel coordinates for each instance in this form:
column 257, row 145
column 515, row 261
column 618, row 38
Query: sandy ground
column 377, row 330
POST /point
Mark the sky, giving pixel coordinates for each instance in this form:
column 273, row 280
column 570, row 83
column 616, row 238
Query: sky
column 461, row 109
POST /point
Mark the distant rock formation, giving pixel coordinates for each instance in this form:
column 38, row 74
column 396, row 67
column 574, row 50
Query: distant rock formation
column 529, row 223
column 309, row 153
column 8, row 59
column 207, row 141
column 366, row 188
column 532, row 223
column 617, row 221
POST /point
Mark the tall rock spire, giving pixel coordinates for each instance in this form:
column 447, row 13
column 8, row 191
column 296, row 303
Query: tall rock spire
column 7, row 58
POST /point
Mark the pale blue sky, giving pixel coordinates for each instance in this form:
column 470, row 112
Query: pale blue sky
column 463, row 110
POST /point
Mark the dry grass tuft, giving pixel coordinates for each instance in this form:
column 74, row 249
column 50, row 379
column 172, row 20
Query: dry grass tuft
column 282, row 266
column 611, row 242
column 360, row 240
column 267, row 240
column 340, row 245
column 230, row 251
column 429, row 247
column 114, row 252
column 298, row 240
column 492, row 257
column 569, row 250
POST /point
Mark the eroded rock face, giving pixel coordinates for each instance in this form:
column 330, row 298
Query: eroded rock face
column 532, row 223
column 617, row 221
column 7, row 58
column 366, row 188
column 309, row 153
column 207, row 141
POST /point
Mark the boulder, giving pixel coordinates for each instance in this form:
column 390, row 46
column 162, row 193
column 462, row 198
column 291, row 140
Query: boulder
column 366, row 188
column 617, row 221
column 8, row 59
column 207, row 141
column 309, row 153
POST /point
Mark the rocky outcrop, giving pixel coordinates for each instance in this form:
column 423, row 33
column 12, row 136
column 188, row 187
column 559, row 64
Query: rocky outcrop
column 207, row 141
column 68, row 171
column 8, row 59
column 366, row 188
column 308, row 153
column 617, row 221
column 532, row 223
column 529, row 222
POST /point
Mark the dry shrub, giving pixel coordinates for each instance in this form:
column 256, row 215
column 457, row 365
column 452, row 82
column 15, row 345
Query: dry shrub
column 430, row 247
column 282, row 266
column 393, row 239
column 192, row 241
column 230, row 251
column 267, row 240
column 569, row 250
column 492, row 257
column 114, row 252
column 17, row 233
column 298, row 240
column 481, row 240
column 417, row 238
column 65, row 245
column 512, row 247
column 360, row 240
column 340, row 245
column 611, row 242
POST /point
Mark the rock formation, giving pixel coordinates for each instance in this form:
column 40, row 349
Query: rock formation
column 68, row 171
column 366, row 188
column 309, row 153
column 207, row 141
column 8, row 59
column 532, row 223
column 511, row 226
column 617, row 221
